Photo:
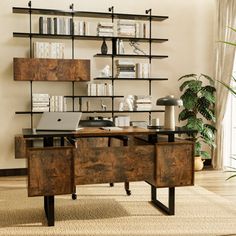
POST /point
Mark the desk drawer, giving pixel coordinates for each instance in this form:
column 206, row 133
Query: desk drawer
column 113, row 164
column 50, row 171
column 174, row 164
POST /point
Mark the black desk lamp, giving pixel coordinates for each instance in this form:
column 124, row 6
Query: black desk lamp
column 169, row 102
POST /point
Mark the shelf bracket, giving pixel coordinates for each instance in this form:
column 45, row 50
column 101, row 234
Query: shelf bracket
column 111, row 9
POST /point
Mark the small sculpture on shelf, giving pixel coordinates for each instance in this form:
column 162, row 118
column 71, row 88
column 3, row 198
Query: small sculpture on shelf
column 104, row 48
column 103, row 106
column 136, row 48
column 127, row 103
column 105, row 72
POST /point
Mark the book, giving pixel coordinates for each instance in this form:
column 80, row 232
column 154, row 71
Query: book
column 112, row 128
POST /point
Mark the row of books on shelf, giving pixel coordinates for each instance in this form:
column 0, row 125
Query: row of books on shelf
column 99, row 89
column 129, row 69
column 67, row 26
column 45, row 103
column 48, row 50
column 63, row 26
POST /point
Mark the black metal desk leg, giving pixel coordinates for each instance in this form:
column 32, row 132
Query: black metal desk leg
column 49, row 209
column 170, row 210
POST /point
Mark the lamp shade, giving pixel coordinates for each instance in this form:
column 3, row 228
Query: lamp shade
column 169, row 101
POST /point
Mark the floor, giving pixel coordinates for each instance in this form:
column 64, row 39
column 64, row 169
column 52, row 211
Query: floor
column 214, row 181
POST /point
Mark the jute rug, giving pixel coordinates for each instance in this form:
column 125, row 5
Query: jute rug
column 106, row 211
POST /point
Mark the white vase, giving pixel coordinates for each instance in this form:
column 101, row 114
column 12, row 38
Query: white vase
column 198, row 163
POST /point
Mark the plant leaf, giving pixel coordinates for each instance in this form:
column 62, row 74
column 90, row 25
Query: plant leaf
column 205, row 155
column 195, row 124
column 185, row 114
column 232, row 176
column 209, row 126
column 188, row 76
column 229, row 43
column 208, row 78
column 189, row 99
column 209, row 96
column 185, row 84
column 197, row 150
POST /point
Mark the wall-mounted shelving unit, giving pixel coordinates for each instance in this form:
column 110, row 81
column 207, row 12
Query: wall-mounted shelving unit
column 148, row 17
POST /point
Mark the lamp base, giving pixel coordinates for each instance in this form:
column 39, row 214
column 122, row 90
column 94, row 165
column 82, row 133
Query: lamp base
column 169, row 118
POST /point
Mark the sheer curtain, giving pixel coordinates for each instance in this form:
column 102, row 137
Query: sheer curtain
column 226, row 17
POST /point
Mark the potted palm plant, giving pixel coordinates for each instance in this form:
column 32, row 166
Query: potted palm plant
column 198, row 102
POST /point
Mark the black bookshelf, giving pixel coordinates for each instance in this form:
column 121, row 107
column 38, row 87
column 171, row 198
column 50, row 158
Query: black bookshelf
column 85, row 37
column 87, row 96
column 149, row 17
column 38, row 11
column 136, row 79
column 132, row 55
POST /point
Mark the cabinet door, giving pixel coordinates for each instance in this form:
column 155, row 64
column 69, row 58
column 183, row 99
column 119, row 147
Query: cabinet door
column 174, row 164
column 50, row 171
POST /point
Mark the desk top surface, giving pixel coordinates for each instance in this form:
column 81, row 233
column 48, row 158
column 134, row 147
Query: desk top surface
column 99, row 132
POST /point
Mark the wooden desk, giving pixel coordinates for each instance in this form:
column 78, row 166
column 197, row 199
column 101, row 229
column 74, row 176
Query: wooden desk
column 56, row 170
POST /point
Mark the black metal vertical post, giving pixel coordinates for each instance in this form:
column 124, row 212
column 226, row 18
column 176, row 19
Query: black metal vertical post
column 72, row 52
column 31, row 55
column 111, row 9
column 149, row 11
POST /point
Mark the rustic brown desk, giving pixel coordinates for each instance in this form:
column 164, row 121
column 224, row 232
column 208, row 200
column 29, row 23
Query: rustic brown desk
column 56, row 170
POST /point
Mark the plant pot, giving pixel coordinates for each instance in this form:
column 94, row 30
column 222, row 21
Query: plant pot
column 198, row 163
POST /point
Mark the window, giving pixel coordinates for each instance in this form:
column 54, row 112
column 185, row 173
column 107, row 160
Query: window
column 230, row 128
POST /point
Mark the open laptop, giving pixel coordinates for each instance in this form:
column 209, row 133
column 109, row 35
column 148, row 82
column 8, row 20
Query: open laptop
column 59, row 121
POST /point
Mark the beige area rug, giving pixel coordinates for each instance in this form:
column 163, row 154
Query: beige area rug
column 106, row 211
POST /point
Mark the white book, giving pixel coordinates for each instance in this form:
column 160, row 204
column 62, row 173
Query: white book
column 53, row 50
column 64, row 104
column 60, row 103
column 52, row 104
column 105, row 24
column 46, row 50
column 89, row 89
column 87, row 28
column 76, row 28
column 81, row 28
column 40, row 95
column 35, row 109
column 93, row 89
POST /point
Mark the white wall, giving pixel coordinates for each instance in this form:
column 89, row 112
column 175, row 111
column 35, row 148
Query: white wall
column 190, row 49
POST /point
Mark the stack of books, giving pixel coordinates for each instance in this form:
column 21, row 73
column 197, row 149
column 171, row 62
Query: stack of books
column 142, row 70
column 48, row 50
column 105, row 29
column 125, row 69
column 57, row 103
column 126, row 28
column 142, row 103
column 40, row 102
column 131, row 28
column 101, row 89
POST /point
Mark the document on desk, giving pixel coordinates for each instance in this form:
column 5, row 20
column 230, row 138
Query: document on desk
column 112, row 128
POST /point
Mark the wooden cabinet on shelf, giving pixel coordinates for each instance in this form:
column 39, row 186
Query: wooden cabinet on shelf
column 77, row 70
